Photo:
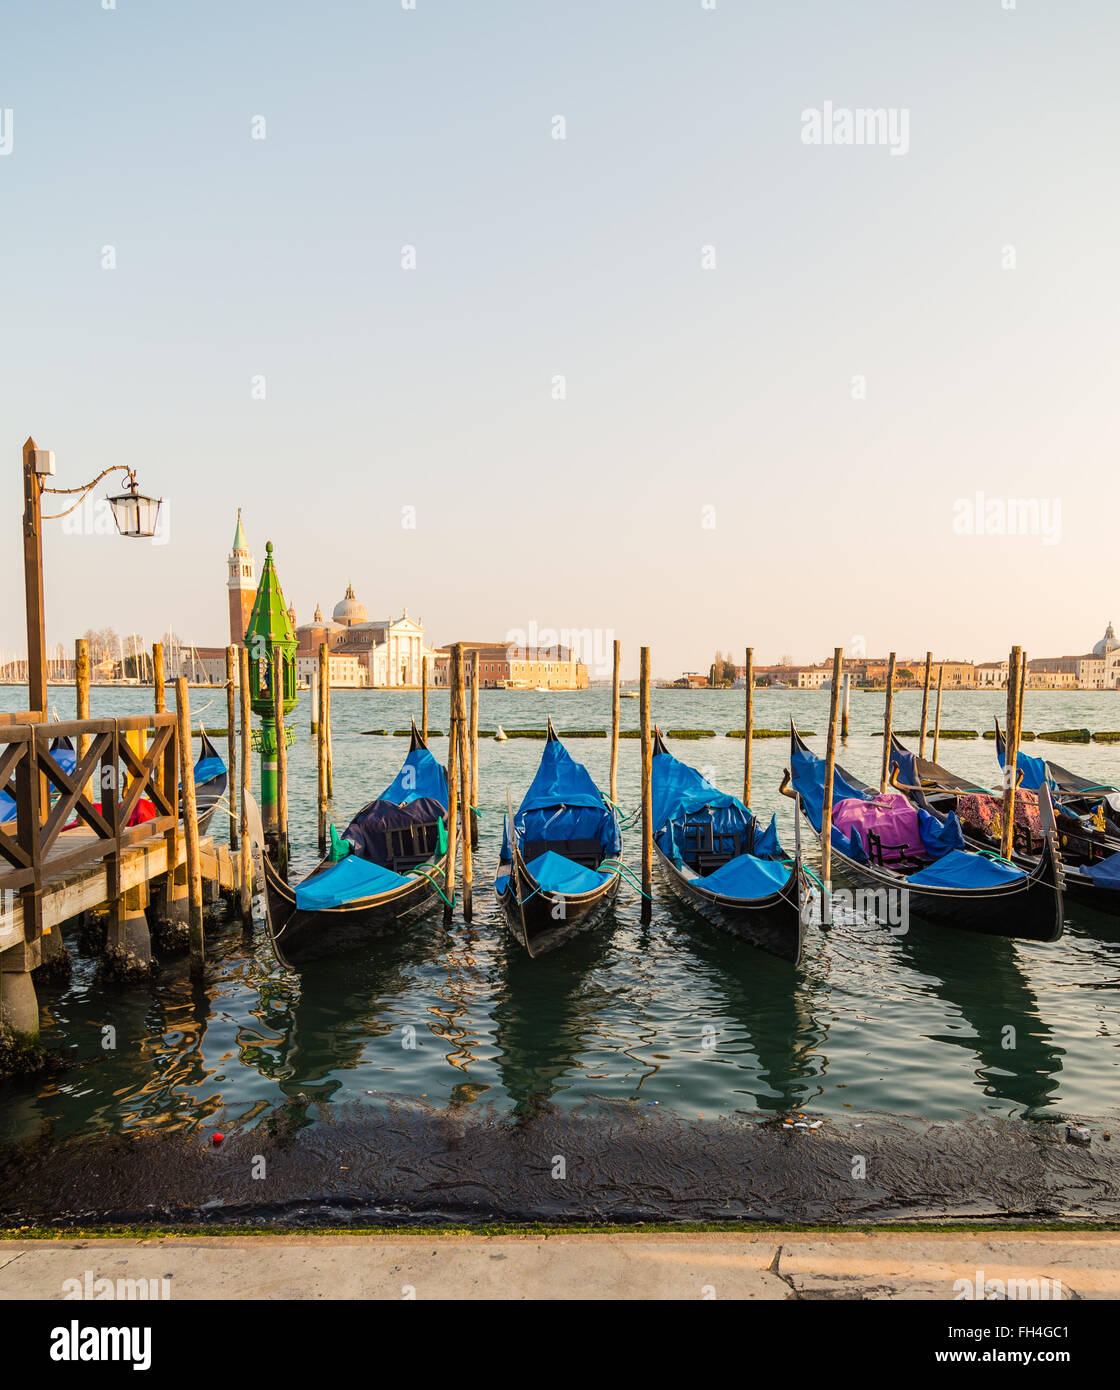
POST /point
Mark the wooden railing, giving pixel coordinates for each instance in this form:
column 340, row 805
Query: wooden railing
column 119, row 761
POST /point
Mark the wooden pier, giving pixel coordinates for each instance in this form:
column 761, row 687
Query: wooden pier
column 77, row 844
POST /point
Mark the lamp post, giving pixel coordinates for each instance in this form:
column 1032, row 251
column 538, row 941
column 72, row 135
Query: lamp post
column 272, row 643
column 134, row 513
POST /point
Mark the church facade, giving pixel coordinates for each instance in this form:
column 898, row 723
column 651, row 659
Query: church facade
column 384, row 652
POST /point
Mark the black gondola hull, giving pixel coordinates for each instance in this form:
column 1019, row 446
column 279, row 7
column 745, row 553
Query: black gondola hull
column 299, row 937
column 774, row 924
column 1028, row 909
column 543, row 921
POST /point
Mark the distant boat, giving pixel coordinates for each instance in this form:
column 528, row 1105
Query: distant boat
column 501, row 736
column 628, row 695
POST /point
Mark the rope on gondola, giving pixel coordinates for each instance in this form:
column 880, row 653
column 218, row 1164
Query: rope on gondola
column 624, row 871
column 420, row 872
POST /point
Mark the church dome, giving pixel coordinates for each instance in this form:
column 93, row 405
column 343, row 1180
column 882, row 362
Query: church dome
column 349, row 610
column 1108, row 642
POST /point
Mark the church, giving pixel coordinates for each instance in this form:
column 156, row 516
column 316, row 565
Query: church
column 362, row 652
column 383, row 652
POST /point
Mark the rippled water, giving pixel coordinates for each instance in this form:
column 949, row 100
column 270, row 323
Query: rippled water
column 673, row 1014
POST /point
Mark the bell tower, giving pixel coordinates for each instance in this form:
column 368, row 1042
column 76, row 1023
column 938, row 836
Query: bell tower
column 242, row 585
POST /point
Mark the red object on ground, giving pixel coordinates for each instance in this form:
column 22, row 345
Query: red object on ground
column 218, row 1138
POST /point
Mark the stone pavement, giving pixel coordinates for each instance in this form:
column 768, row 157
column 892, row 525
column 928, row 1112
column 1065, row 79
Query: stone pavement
column 867, row 1265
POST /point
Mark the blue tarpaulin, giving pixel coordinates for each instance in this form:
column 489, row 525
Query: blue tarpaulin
column 681, row 794
column 557, row 874
column 939, row 837
column 807, row 775
column 563, row 803
column 1033, row 772
column 961, row 869
column 206, row 769
column 1106, row 874
column 746, row 877
column 349, row 879
column 62, row 751
column 421, row 778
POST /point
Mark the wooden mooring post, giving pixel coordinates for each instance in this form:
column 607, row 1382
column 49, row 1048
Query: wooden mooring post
column 81, row 691
column 829, row 779
column 888, row 717
column 190, row 824
column 281, row 762
column 329, row 737
column 464, row 791
column 321, row 749
column 472, row 811
column 245, row 887
column 846, row 707
column 453, row 733
column 1011, row 752
column 158, row 692
column 616, row 715
column 647, row 789
column 232, row 674
column 925, row 705
column 937, row 716
column 748, row 727
column 424, row 699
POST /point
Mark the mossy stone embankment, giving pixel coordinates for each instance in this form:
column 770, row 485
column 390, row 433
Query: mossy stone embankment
column 20, row 1054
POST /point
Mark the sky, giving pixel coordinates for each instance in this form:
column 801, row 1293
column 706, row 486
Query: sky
column 694, row 376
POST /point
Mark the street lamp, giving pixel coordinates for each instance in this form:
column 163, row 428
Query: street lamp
column 134, row 513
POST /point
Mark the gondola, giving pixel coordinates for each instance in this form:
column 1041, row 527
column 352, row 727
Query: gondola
column 1082, row 796
column 715, row 857
column 210, row 780
column 387, row 869
column 1089, row 849
column 559, row 866
column 63, row 752
column 901, row 849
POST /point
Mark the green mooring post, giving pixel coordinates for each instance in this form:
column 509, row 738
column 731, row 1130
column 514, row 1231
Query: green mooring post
column 271, row 641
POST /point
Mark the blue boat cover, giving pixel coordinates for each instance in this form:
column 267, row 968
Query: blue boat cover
column 1033, row 772
column 421, row 778
column 1106, row 874
column 680, row 793
column 62, row 751
column 345, row 881
column 807, row 775
column 746, row 877
column 962, row 869
column 206, row 769
column 563, row 803
column 557, row 874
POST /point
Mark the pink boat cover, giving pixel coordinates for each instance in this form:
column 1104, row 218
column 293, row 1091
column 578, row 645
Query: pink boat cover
column 891, row 817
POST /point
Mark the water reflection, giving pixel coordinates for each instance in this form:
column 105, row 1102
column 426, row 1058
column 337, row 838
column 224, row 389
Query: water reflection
column 545, row 1014
column 981, row 978
column 769, row 1004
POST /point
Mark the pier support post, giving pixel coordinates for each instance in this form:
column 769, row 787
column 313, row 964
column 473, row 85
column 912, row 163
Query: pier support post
column 190, row 826
column 55, row 964
column 19, row 1008
column 128, row 944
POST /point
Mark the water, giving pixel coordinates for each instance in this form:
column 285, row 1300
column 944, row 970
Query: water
column 673, row 1015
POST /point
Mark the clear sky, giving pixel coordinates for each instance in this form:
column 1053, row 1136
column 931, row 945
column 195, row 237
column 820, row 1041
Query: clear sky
column 687, row 388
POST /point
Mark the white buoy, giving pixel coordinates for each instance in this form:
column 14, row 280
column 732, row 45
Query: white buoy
column 501, row 736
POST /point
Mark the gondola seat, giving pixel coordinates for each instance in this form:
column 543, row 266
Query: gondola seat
column 585, row 852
